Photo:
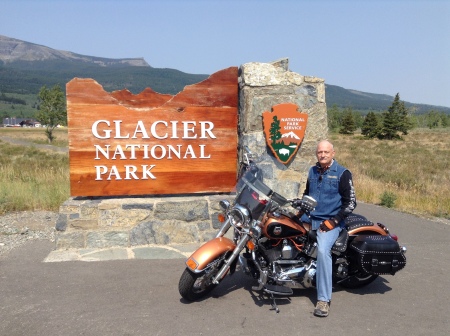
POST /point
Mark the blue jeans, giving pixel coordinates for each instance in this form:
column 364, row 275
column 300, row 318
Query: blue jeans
column 324, row 273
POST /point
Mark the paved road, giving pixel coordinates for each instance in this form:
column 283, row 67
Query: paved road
column 140, row 297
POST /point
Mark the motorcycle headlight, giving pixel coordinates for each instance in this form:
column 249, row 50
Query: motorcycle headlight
column 240, row 215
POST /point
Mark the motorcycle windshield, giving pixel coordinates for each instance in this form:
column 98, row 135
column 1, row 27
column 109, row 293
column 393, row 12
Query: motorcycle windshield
column 254, row 194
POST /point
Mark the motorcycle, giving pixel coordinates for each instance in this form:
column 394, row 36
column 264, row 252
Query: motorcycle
column 277, row 249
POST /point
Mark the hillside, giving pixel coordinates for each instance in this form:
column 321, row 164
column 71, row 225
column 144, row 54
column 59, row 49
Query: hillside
column 13, row 50
column 366, row 102
column 25, row 67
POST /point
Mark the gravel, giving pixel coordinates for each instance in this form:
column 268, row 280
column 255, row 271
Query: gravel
column 17, row 228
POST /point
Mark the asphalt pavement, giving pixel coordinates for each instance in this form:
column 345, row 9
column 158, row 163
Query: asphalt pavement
column 137, row 294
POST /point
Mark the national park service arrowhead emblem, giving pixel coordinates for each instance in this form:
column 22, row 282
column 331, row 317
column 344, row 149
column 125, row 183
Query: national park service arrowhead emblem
column 284, row 129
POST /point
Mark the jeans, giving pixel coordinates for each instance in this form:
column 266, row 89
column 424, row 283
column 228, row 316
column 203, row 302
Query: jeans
column 324, row 273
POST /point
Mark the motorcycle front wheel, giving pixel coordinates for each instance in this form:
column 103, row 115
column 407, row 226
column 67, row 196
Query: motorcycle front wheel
column 194, row 286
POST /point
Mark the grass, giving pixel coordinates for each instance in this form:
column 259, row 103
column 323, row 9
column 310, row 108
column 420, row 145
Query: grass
column 36, row 135
column 411, row 175
column 31, row 179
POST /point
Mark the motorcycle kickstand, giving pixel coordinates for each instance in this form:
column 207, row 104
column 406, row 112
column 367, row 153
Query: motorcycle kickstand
column 274, row 304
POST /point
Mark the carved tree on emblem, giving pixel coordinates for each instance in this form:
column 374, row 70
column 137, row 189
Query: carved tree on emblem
column 275, row 133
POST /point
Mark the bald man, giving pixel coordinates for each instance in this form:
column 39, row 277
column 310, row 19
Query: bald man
column 332, row 186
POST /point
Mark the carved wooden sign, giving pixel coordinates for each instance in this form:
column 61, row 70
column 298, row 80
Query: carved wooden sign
column 284, row 128
column 151, row 143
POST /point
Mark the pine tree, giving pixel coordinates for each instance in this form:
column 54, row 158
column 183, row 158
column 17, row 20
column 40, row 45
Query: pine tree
column 433, row 119
column 395, row 120
column 334, row 118
column 348, row 122
column 370, row 127
column 274, row 131
column 445, row 120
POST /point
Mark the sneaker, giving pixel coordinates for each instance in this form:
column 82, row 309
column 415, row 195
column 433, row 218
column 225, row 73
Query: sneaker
column 322, row 308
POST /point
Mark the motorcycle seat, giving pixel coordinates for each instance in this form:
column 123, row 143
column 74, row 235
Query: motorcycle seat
column 354, row 221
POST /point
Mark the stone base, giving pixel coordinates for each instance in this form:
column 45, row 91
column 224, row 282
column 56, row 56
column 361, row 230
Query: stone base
column 126, row 222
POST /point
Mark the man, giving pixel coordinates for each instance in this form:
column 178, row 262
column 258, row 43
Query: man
column 332, row 186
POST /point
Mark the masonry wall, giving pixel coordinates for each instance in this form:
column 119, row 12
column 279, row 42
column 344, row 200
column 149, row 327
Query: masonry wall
column 132, row 221
column 263, row 85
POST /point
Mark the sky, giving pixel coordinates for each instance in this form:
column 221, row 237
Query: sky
column 376, row 46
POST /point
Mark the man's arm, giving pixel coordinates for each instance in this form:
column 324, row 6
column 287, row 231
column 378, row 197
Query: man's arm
column 347, row 192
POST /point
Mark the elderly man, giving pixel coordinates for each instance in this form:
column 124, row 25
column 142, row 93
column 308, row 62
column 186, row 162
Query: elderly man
column 332, row 186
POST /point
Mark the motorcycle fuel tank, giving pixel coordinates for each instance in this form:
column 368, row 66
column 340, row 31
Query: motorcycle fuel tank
column 281, row 226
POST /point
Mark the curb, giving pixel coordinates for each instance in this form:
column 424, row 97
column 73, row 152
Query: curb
column 180, row 251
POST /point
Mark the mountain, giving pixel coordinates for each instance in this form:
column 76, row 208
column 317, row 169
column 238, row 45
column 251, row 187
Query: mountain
column 290, row 135
column 13, row 50
column 25, row 67
column 366, row 102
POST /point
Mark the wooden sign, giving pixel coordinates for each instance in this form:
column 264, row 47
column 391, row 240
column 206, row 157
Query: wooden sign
column 151, row 143
column 284, row 129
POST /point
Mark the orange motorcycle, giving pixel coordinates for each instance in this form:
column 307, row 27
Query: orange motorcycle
column 276, row 248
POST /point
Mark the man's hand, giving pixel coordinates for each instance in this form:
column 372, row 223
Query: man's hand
column 302, row 205
column 328, row 224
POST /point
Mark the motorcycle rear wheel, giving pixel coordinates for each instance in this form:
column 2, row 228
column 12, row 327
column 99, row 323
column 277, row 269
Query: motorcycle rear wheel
column 358, row 280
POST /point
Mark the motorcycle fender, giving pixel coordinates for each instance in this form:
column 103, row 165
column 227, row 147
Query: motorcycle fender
column 375, row 229
column 208, row 252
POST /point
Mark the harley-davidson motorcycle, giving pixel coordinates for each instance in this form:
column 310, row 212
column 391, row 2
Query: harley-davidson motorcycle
column 276, row 248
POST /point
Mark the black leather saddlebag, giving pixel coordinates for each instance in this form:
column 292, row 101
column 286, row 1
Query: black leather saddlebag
column 378, row 254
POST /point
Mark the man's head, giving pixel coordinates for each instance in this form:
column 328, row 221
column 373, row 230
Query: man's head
column 325, row 153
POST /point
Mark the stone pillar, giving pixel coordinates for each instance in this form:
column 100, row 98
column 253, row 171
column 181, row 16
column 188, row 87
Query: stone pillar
column 263, row 85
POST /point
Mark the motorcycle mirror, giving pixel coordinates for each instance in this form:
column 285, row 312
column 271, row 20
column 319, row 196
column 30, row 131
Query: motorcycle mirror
column 224, row 204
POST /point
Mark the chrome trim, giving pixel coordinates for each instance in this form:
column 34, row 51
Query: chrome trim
column 242, row 213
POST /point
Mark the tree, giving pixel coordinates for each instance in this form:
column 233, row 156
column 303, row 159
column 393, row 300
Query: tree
column 334, row 118
column 395, row 120
column 52, row 110
column 274, row 131
column 445, row 120
column 371, row 126
column 433, row 119
column 348, row 122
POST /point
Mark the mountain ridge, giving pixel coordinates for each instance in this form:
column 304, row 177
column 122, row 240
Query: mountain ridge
column 12, row 50
column 25, row 67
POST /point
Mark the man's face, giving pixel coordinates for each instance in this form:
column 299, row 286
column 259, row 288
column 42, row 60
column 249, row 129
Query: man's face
column 325, row 154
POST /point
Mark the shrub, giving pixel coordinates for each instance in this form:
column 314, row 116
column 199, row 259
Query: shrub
column 388, row 199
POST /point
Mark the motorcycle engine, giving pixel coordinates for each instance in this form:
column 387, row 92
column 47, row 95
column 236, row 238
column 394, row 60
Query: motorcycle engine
column 285, row 249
